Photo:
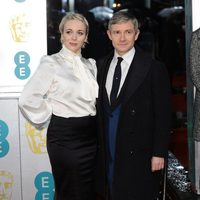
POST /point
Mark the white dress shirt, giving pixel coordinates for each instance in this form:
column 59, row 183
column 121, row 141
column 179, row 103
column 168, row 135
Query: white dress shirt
column 125, row 65
column 64, row 84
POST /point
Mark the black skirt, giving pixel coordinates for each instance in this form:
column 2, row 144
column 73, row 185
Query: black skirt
column 71, row 146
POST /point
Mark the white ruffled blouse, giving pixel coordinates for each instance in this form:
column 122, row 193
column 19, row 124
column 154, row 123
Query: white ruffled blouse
column 64, row 84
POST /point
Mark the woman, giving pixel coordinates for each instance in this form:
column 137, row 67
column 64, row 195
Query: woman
column 64, row 91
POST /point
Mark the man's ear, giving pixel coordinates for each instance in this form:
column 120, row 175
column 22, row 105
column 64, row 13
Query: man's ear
column 109, row 34
column 137, row 34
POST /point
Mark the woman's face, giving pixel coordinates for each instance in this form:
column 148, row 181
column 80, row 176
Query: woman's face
column 74, row 35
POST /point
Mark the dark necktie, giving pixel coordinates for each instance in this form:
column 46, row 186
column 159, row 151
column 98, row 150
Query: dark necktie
column 116, row 81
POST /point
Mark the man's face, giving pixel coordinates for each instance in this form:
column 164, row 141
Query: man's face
column 123, row 36
column 6, row 184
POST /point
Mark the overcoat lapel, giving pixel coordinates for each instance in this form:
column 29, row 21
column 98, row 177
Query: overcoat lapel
column 136, row 75
column 103, row 75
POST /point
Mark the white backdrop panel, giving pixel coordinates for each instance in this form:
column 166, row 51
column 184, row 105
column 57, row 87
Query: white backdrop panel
column 10, row 172
column 37, row 181
column 23, row 39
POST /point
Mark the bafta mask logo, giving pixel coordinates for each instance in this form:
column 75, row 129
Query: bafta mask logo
column 36, row 138
column 6, row 185
column 20, row 28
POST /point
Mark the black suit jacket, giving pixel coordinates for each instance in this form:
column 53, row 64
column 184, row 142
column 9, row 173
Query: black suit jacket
column 143, row 129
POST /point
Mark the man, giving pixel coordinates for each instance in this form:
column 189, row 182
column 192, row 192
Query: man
column 195, row 71
column 134, row 126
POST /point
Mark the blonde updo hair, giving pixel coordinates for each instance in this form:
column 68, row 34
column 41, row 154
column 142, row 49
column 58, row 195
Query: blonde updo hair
column 73, row 16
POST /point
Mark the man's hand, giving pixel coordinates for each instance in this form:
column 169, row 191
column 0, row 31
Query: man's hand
column 157, row 163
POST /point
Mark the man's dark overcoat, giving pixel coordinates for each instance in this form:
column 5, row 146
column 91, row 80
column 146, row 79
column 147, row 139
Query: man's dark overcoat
column 143, row 128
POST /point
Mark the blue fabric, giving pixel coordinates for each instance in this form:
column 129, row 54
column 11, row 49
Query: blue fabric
column 111, row 132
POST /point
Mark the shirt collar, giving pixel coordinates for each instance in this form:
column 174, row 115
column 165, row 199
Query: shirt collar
column 128, row 57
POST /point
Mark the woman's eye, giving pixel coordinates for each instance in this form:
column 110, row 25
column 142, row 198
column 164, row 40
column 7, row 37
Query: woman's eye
column 67, row 32
column 80, row 33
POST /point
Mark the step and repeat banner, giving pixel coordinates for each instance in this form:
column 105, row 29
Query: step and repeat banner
column 25, row 172
column 23, row 39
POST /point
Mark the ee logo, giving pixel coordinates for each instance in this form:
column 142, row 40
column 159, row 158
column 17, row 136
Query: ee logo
column 4, row 145
column 45, row 186
column 22, row 60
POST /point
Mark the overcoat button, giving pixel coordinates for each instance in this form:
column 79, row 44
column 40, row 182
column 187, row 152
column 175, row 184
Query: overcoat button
column 132, row 153
column 133, row 112
column 111, row 115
